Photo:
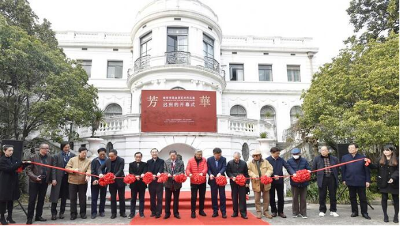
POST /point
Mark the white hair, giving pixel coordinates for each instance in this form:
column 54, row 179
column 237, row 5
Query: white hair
column 237, row 153
column 198, row 151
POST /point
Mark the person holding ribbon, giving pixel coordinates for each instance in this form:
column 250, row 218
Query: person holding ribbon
column 388, row 180
column 155, row 165
column 216, row 167
column 257, row 168
column 357, row 178
column 137, row 168
column 78, row 182
column 59, row 181
column 327, row 180
column 39, row 179
column 172, row 166
column 95, row 188
column 197, row 165
column 234, row 168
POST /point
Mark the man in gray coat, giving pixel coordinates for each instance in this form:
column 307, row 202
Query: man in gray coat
column 172, row 166
column 59, row 181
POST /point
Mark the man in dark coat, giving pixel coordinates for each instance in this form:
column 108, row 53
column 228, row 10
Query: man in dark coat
column 59, row 181
column 327, row 180
column 357, row 178
column 216, row 167
column 155, row 165
column 277, row 184
column 173, row 167
column 39, row 179
column 233, row 169
column 137, row 168
column 115, row 165
column 95, row 188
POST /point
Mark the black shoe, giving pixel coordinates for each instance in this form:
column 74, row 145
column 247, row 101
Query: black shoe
column 215, row 214
column 166, row 216
column 3, row 221
column 202, row 213
column 61, row 216
column 385, row 218
column 224, row 215
column 10, row 220
column 274, row 215
column 40, row 219
column 141, row 215
column 354, row 214
column 73, row 217
column 234, row 215
column 94, row 216
column 396, row 219
column 123, row 215
column 158, row 216
column 152, row 215
column 177, row 216
column 102, row 214
column 83, row 216
column 113, row 216
column 365, row 215
column 282, row 215
column 244, row 217
column 29, row 221
column 132, row 215
column 193, row 215
column 53, row 217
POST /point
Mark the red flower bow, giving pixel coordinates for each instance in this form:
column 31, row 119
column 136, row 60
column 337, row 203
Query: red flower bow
column 302, row 176
column 181, row 178
column 107, row 179
column 162, row 178
column 129, row 179
column 240, row 180
column 266, row 179
column 221, row 181
column 148, row 178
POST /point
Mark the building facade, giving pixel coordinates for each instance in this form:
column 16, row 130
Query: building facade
column 179, row 45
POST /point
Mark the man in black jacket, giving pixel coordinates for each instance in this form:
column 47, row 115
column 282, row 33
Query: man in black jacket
column 95, row 187
column 326, row 180
column 233, row 169
column 137, row 168
column 115, row 165
column 155, row 165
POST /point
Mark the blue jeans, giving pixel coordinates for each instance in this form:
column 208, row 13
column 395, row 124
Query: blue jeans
column 96, row 189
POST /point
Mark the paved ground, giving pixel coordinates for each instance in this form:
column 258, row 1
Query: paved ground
column 312, row 212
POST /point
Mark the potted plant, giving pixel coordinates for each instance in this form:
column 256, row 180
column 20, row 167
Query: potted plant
column 263, row 135
column 98, row 118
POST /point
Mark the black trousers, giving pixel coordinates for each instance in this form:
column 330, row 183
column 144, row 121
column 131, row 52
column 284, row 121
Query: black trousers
column 202, row 196
column 97, row 190
column 239, row 199
column 114, row 188
column 74, row 191
column 9, row 205
column 156, row 197
column 134, row 193
column 36, row 191
column 215, row 189
column 328, row 184
column 395, row 197
column 64, row 195
column 362, row 195
column 168, row 195
column 279, row 190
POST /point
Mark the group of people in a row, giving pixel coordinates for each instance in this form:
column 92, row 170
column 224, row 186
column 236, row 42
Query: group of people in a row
column 68, row 185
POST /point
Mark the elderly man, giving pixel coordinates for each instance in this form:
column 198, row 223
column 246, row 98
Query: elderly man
column 155, row 165
column 357, row 178
column 137, row 168
column 216, row 167
column 173, row 167
column 197, row 164
column 234, row 168
column 327, row 180
column 259, row 167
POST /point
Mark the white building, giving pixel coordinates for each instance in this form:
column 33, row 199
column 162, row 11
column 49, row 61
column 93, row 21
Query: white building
column 178, row 44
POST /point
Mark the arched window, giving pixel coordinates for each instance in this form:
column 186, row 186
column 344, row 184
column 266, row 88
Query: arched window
column 109, row 147
column 177, row 88
column 245, row 152
column 238, row 111
column 267, row 112
column 295, row 114
column 112, row 110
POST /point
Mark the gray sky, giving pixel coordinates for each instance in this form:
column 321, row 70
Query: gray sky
column 326, row 21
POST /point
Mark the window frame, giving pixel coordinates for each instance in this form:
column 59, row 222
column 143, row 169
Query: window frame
column 122, row 68
column 176, row 47
column 292, row 67
column 260, row 69
column 235, row 66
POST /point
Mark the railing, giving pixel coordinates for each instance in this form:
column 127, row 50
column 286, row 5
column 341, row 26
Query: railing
column 177, row 57
column 242, row 125
column 211, row 63
column 142, row 63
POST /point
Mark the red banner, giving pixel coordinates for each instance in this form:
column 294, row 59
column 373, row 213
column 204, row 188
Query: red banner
column 178, row 111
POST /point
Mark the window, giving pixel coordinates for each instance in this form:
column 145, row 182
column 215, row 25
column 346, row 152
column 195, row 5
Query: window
column 177, row 39
column 267, row 112
column 112, row 110
column 238, row 111
column 293, row 73
column 114, row 69
column 295, row 114
column 145, row 45
column 237, row 72
column 208, row 46
column 265, row 72
column 86, row 65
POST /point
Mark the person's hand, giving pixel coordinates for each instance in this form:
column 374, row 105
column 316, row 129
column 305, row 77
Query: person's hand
column 390, row 181
column 142, row 175
column 233, row 178
column 276, row 177
column 367, row 184
column 218, row 175
column 54, row 182
column 38, row 178
column 256, row 177
column 158, row 174
column 211, row 177
column 190, row 175
column 294, row 174
column 201, row 174
column 154, row 177
column 137, row 177
column 309, row 171
column 96, row 182
column 77, row 170
column 115, row 177
column 101, row 175
column 169, row 175
column 344, row 182
column 247, row 185
column 87, row 178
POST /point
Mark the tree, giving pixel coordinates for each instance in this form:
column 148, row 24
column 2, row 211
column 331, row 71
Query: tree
column 356, row 97
column 376, row 19
column 39, row 88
